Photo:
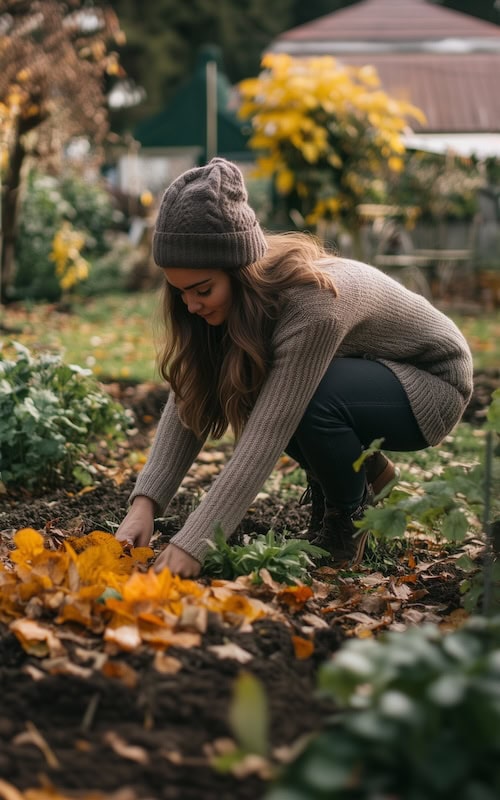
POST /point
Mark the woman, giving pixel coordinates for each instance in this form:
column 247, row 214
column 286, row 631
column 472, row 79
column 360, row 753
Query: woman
column 295, row 350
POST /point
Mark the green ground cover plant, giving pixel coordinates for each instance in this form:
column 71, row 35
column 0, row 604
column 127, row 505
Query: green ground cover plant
column 287, row 560
column 53, row 416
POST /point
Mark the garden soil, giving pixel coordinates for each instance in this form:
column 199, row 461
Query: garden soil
column 131, row 731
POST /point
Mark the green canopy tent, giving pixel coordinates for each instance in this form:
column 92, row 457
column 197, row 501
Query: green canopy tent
column 200, row 116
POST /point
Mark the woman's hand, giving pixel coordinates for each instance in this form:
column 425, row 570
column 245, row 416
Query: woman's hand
column 178, row 561
column 138, row 526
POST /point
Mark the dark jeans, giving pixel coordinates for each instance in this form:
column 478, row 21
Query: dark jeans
column 357, row 401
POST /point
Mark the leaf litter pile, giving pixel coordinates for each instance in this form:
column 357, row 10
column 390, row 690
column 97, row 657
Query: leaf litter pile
column 118, row 683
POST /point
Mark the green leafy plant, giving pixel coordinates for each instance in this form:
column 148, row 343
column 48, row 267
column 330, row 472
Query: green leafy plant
column 440, row 186
column 47, row 204
column 52, row 417
column 419, row 719
column 287, row 560
column 450, row 506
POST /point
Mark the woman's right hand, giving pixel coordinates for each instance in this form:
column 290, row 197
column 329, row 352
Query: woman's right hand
column 138, row 526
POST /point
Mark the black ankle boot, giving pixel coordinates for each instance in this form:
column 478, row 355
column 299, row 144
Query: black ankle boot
column 314, row 495
column 338, row 534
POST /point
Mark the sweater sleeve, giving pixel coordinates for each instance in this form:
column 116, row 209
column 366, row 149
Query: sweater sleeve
column 173, row 451
column 303, row 350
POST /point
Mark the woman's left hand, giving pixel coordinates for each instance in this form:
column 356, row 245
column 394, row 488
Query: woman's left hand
column 178, row 561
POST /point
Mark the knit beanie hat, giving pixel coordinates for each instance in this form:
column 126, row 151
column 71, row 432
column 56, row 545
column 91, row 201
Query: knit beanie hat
column 204, row 221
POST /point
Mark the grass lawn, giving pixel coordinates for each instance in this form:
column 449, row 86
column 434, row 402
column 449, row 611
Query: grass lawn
column 114, row 334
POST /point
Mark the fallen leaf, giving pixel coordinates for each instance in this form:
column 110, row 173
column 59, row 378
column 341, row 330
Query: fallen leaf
column 125, row 636
column 303, row 648
column 162, row 637
column 168, row 665
column 125, row 750
column 231, row 650
column 63, row 666
column 373, row 604
column 33, row 736
column 454, row 620
column 295, row 597
column 9, row 792
column 36, row 639
column 401, row 591
column 314, row 621
column 122, row 672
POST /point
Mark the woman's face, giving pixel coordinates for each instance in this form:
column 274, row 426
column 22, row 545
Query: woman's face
column 206, row 292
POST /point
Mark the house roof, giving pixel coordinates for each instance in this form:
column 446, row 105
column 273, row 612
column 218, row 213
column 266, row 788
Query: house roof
column 445, row 62
column 392, row 21
column 456, row 94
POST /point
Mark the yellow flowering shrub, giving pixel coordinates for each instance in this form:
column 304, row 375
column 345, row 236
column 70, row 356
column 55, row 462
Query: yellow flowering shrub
column 71, row 267
column 326, row 133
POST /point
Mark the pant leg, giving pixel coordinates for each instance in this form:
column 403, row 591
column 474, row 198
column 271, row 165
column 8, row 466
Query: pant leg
column 357, row 401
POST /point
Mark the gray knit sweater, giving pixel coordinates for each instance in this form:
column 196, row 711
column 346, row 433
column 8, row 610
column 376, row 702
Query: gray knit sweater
column 374, row 317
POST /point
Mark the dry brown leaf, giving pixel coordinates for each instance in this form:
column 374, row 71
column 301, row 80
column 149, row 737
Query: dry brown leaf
column 400, row 590
column 373, row 604
column 168, row 665
column 321, row 589
column 252, row 764
column 122, row 672
column 268, row 580
column 36, row 639
column 125, row 636
column 194, row 617
column 34, row 673
column 162, row 637
column 314, row 621
column 231, row 650
column 373, row 579
column 454, row 620
column 63, row 666
column 363, row 619
column 125, row 750
column 9, row 792
column 97, row 656
column 33, row 736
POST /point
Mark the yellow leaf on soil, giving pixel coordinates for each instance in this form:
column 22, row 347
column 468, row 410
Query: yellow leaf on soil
column 303, row 648
column 29, row 544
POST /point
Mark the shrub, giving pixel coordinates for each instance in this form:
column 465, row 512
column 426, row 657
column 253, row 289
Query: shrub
column 47, row 204
column 419, row 719
column 52, row 418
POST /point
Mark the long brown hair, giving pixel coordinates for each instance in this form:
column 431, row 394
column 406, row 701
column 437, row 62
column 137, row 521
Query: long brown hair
column 217, row 372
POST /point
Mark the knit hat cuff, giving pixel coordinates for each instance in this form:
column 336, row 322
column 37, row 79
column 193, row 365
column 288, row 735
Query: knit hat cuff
column 231, row 250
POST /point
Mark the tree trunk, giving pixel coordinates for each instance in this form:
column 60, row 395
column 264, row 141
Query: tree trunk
column 10, row 213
